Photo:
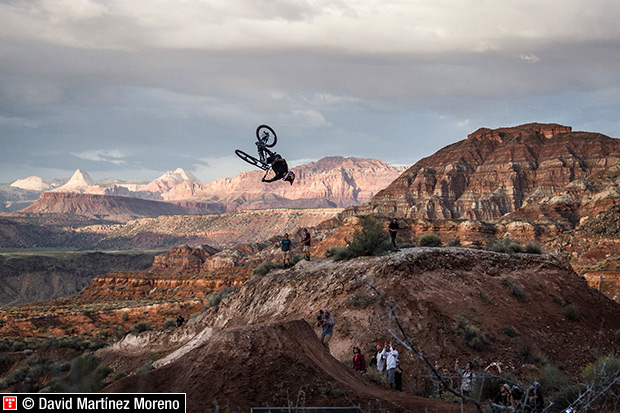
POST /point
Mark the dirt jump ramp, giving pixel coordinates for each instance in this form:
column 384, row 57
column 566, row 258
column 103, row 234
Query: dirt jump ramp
column 271, row 365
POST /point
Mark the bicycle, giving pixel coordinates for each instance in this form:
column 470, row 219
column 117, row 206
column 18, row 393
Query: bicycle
column 266, row 138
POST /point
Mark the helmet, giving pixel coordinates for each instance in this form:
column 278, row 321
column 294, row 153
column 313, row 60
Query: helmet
column 290, row 177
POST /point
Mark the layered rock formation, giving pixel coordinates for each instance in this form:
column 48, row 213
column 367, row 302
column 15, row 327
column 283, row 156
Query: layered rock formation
column 496, row 172
column 115, row 208
column 338, row 181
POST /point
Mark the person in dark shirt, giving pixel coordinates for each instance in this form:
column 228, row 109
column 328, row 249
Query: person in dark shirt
column 359, row 361
column 280, row 168
column 398, row 377
column 286, row 251
column 393, row 228
column 180, row 320
column 305, row 244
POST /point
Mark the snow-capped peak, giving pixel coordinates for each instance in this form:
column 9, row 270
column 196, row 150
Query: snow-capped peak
column 178, row 176
column 80, row 178
column 32, row 183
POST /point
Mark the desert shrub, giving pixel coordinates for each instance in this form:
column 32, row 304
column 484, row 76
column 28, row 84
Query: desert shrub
column 509, row 331
column 604, row 370
column 263, row 269
column 456, row 242
column 360, row 300
column 338, row 253
column 215, row 298
column 370, row 240
column 559, row 301
column 140, row 327
column 515, row 289
column 84, row 376
column 170, row 322
column 533, row 247
column 552, row 378
column 530, row 354
column 125, row 317
column 376, row 376
column 571, row 312
column 430, row 240
column 505, row 245
column 472, row 336
column 484, row 298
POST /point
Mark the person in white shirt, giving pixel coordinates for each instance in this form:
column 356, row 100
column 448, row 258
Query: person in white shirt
column 380, row 360
column 390, row 355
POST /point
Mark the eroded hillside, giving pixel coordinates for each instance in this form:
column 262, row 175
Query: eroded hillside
column 437, row 292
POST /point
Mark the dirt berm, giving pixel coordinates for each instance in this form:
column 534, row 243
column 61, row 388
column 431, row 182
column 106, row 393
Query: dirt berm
column 284, row 360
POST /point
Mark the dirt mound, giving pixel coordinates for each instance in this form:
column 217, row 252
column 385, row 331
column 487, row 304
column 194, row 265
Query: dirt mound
column 270, row 364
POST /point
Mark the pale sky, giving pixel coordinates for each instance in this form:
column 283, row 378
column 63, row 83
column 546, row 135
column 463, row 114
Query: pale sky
column 131, row 89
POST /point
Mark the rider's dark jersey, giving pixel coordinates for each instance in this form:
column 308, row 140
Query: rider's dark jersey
column 279, row 166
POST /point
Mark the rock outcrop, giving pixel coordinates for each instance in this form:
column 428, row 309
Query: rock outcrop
column 496, row 172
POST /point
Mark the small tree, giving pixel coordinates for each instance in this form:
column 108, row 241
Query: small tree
column 369, row 240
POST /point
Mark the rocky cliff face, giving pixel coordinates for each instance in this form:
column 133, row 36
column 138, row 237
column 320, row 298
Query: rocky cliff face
column 496, row 172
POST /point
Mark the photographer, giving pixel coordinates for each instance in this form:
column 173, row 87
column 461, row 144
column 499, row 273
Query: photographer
column 390, row 355
column 326, row 321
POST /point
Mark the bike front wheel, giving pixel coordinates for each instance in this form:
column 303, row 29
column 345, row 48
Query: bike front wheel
column 251, row 160
column 266, row 136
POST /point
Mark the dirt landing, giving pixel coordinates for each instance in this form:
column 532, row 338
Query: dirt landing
column 271, row 364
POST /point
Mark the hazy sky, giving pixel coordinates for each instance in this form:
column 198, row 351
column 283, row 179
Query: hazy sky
column 133, row 88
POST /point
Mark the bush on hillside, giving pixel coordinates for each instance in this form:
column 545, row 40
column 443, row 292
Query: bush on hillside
column 533, row 247
column 263, row 269
column 456, row 242
column 571, row 312
column 141, row 327
column 515, row 289
column 370, row 240
column 215, row 298
column 505, row 245
column 430, row 240
column 472, row 336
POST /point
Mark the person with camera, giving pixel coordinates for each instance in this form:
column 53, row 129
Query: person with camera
column 326, row 321
column 390, row 355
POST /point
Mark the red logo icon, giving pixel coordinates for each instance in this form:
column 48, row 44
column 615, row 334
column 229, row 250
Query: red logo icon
column 9, row 403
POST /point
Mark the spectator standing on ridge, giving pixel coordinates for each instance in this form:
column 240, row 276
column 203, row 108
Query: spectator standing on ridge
column 380, row 359
column 180, row 320
column 398, row 377
column 390, row 355
column 305, row 242
column 393, row 228
column 468, row 378
column 359, row 361
column 286, row 251
column 327, row 322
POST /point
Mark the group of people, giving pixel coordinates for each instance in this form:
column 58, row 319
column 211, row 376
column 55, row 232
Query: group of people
column 386, row 362
column 508, row 396
column 287, row 245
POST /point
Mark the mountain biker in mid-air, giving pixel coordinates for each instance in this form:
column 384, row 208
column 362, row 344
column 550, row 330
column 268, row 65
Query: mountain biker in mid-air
column 280, row 168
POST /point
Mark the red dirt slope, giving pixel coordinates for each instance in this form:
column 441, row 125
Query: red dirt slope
column 270, row 364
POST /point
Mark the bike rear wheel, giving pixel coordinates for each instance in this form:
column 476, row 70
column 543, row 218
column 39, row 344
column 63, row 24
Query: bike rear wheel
column 266, row 136
column 251, row 160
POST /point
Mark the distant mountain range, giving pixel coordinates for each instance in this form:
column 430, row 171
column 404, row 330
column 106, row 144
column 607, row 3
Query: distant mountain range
column 328, row 183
